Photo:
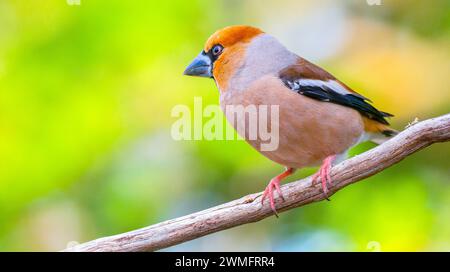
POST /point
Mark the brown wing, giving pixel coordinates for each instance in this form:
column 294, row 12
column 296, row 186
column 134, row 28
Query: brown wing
column 312, row 81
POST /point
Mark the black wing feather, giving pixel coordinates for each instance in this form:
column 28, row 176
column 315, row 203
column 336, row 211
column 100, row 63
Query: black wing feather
column 324, row 93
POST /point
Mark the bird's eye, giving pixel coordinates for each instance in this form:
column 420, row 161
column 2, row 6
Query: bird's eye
column 217, row 49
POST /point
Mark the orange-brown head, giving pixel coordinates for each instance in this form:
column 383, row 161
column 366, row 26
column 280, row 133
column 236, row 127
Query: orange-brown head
column 223, row 53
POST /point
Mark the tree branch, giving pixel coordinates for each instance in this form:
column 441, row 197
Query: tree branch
column 249, row 209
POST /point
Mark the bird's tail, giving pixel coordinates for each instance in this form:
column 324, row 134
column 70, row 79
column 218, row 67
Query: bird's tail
column 379, row 133
column 383, row 136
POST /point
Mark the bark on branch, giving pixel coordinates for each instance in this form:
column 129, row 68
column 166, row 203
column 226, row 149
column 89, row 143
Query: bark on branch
column 249, row 209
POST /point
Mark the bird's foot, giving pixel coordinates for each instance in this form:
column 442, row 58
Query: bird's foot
column 275, row 184
column 324, row 174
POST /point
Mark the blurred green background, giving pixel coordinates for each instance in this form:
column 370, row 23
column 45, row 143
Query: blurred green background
column 86, row 93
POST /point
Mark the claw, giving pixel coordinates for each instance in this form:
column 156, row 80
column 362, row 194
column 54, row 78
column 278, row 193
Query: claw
column 275, row 183
column 324, row 174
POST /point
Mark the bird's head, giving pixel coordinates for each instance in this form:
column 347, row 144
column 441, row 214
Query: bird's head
column 223, row 53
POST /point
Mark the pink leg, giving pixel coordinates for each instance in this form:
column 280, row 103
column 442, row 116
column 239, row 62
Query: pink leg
column 275, row 183
column 324, row 174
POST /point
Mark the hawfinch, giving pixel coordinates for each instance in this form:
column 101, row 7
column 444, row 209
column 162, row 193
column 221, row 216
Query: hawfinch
column 320, row 117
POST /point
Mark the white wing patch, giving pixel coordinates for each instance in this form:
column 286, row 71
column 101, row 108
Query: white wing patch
column 332, row 84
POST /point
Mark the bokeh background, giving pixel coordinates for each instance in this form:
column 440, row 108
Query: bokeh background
column 86, row 93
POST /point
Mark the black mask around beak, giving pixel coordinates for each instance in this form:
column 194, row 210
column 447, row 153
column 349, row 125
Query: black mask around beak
column 201, row 66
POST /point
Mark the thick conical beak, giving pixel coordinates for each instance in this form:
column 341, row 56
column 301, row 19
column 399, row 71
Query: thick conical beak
column 200, row 66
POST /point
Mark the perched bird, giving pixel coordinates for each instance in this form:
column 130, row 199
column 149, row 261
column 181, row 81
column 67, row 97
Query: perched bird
column 320, row 117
